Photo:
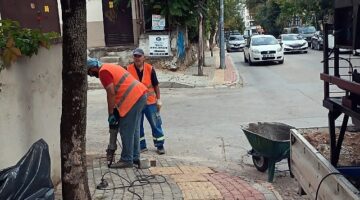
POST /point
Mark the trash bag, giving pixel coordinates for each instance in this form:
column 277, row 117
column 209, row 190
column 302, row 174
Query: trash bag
column 30, row 177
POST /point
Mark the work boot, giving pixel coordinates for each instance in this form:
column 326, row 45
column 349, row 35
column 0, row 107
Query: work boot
column 110, row 156
column 160, row 150
column 137, row 163
column 121, row 164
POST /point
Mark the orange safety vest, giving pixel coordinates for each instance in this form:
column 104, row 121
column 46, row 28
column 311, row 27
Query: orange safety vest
column 127, row 89
column 146, row 80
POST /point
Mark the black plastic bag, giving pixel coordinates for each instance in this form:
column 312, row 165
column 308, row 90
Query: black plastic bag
column 30, row 177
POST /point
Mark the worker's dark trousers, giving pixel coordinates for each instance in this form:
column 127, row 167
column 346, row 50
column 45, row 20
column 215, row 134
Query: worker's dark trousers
column 130, row 131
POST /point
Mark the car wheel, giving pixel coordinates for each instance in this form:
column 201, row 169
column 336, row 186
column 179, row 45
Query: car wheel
column 227, row 50
column 250, row 62
column 305, row 51
column 245, row 59
column 281, row 61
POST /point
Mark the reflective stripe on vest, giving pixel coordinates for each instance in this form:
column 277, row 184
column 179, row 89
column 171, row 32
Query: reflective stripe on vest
column 127, row 92
column 127, row 89
column 121, row 81
column 146, row 80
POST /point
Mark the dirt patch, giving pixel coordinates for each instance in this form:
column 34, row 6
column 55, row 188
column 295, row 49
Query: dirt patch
column 350, row 151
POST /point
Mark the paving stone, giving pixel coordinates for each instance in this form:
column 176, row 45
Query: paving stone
column 205, row 190
column 188, row 178
column 195, row 170
column 165, row 170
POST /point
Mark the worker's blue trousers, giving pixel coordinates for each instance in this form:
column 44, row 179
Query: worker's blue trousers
column 153, row 116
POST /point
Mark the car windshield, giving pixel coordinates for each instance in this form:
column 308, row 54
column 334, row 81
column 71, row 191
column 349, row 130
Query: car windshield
column 309, row 29
column 264, row 41
column 290, row 37
column 236, row 37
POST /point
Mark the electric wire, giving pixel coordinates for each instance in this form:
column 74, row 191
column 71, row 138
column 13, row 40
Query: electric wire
column 141, row 179
column 318, row 188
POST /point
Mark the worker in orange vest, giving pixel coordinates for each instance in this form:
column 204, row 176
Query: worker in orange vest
column 126, row 98
column 145, row 73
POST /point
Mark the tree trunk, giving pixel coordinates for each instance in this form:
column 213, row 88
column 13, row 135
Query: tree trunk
column 211, row 39
column 200, row 47
column 74, row 101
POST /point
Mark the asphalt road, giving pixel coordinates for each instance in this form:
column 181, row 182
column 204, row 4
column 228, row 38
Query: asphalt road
column 204, row 125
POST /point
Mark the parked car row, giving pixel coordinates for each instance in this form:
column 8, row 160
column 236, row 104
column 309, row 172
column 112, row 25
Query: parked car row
column 264, row 48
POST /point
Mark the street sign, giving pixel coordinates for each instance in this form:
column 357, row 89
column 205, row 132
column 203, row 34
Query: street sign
column 159, row 45
column 158, row 22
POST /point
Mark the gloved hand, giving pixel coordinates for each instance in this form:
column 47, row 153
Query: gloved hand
column 158, row 104
column 112, row 120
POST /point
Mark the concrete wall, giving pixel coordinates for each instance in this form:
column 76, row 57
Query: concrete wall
column 30, row 107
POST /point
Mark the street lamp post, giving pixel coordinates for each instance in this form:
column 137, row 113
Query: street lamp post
column 222, row 39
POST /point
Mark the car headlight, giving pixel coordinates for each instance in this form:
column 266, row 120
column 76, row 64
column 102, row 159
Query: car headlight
column 255, row 51
column 279, row 49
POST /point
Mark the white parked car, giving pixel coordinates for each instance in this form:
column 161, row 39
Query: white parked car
column 293, row 43
column 262, row 48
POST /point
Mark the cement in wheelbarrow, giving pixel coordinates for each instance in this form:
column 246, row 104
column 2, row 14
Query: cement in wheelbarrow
column 269, row 140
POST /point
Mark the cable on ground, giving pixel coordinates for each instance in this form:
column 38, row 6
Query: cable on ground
column 141, row 179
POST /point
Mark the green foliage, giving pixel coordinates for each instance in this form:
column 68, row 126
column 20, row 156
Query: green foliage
column 309, row 11
column 178, row 12
column 232, row 16
column 267, row 17
column 16, row 41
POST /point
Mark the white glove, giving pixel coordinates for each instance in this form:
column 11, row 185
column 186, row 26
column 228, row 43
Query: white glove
column 158, row 104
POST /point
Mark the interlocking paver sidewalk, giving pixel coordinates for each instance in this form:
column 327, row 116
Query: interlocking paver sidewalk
column 170, row 179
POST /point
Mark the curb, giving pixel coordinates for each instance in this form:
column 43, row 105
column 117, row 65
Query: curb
column 231, row 73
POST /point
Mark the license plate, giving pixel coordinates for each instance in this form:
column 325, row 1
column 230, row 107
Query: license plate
column 268, row 55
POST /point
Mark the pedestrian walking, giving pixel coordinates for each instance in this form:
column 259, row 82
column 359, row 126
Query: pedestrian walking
column 145, row 73
column 126, row 98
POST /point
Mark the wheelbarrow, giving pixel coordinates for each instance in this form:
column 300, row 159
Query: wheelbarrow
column 270, row 144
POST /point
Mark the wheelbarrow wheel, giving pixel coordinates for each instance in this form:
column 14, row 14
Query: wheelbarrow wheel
column 260, row 162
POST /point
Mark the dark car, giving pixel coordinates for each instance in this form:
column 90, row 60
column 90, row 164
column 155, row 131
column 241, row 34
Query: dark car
column 307, row 32
column 317, row 40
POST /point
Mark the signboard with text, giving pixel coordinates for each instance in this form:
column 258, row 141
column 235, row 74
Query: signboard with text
column 158, row 23
column 158, row 45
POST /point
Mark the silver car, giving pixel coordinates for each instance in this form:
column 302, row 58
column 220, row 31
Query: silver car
column 235, row 43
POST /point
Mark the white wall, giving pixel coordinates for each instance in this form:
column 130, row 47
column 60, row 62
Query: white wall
column 93, row 10
column 95, row 26
column 30, row 107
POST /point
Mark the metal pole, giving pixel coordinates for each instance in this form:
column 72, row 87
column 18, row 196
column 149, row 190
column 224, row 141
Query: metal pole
column 222, row 39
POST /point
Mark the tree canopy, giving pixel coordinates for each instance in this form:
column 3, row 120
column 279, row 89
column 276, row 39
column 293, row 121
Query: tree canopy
column 273, row 15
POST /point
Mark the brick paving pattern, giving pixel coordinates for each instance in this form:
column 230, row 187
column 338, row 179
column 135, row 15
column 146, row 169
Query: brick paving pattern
column 199, row 190
column 233, row 187
column 171, row 179
column 230, row 75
